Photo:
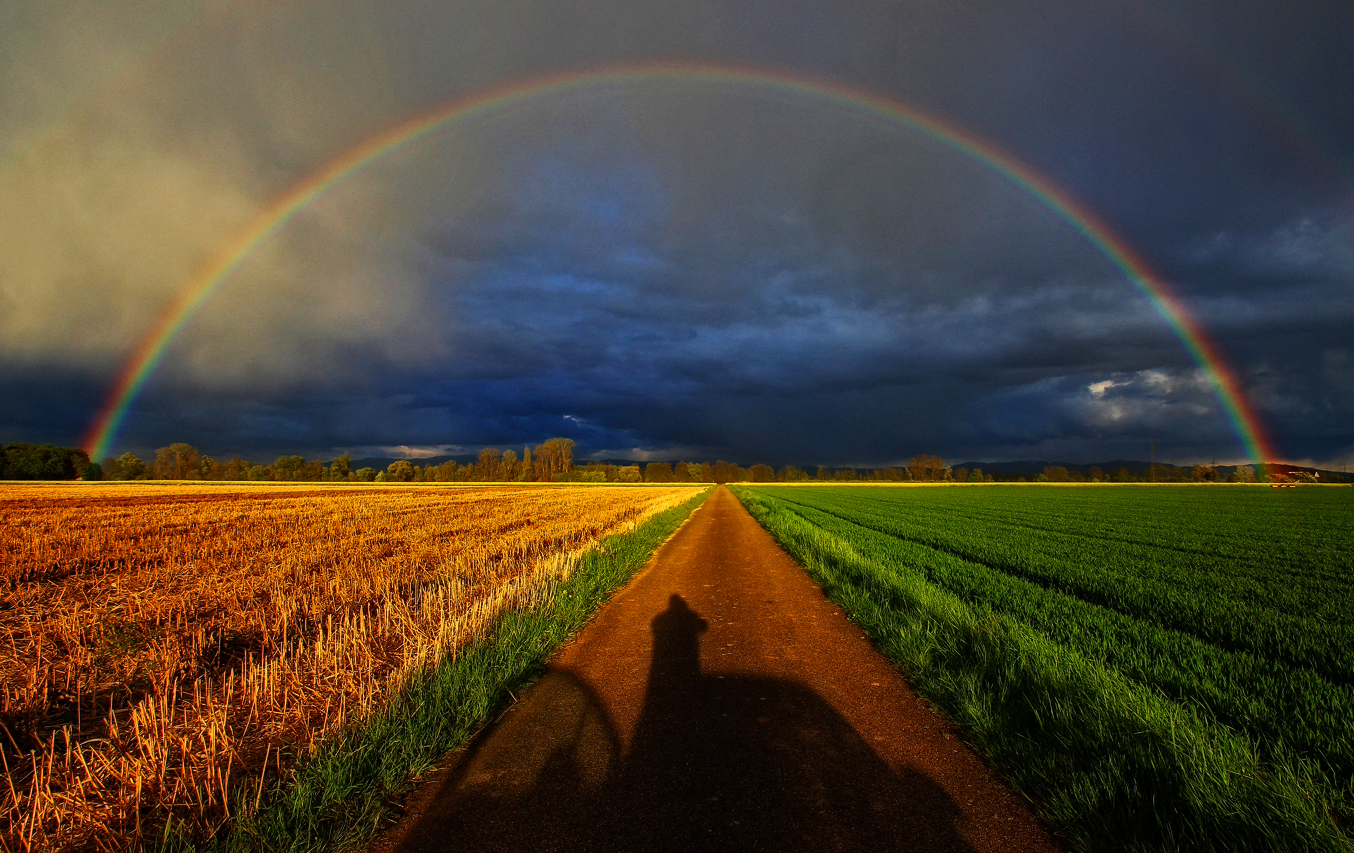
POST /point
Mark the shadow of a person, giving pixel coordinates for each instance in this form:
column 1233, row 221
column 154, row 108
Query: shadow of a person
column 730, row 762
column 717, row 762
column 675, row 670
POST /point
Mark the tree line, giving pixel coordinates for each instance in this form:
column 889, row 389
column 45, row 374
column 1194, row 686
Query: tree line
column 20, row 460
column 550, row 461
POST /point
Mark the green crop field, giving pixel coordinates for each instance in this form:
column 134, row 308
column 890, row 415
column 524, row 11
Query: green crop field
column 1157, row 667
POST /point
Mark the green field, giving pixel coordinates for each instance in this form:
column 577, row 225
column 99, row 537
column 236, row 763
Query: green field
column 1157, row 667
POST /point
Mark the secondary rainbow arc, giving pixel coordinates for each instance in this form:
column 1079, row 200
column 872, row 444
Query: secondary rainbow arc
column 139, row 367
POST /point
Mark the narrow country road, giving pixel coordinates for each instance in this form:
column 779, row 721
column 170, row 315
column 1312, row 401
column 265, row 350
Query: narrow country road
column 718, row 702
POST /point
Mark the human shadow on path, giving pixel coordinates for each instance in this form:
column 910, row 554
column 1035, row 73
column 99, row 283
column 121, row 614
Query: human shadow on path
column 716, row 763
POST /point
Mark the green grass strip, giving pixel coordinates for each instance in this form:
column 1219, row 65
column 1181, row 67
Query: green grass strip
column 340, row 797
column 1116, row 767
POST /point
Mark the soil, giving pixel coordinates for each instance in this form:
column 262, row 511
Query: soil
column 719, row 701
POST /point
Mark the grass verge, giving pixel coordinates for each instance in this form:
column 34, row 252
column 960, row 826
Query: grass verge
column 1115, row 766
column 339, row 797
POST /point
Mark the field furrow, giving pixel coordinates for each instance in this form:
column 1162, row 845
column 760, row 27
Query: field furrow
column 1230, row 605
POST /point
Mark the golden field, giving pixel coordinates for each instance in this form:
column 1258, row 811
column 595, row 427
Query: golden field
column 165, row 647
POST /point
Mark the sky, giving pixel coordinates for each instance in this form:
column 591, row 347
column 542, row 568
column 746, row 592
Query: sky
column 851, row 268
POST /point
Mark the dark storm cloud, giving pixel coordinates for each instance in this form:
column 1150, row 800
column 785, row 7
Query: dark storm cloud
column 680, row 268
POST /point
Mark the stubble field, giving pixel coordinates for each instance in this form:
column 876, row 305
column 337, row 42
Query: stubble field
column 164, row 649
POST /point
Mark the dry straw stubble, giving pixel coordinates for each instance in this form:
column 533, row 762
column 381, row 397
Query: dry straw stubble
column 161, row 647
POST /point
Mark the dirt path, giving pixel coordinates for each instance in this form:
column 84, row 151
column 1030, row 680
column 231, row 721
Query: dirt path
column 718, row 702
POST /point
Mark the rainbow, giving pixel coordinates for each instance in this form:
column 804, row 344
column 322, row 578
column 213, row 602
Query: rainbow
column 151, row 349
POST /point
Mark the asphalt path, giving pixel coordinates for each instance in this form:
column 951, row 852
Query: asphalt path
column 719, row 701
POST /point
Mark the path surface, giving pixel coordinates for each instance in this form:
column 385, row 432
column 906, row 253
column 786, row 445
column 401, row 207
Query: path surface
column 718, row 702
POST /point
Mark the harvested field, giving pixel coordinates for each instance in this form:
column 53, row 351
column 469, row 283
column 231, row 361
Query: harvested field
column 167, row 650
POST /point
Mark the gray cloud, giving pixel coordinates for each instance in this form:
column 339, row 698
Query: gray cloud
column 697, row 266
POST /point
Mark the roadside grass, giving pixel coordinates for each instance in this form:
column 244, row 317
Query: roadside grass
column 340, row 797
column 1114, row 763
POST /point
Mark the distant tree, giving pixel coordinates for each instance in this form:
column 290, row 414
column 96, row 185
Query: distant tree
column 1170, row 473
column 627, row 474
column 975, row 476
column 1243, row 474
column 1056, row 473
column 381, row 477
column 113, row 467
column 257, row 472
column 400, row 471
column 93, row 471
column 658, row 472
column 791, row 474
column 762, row 474
column 364, row 475
column 444, row 473
column 1042, row 478
column 1203, row 474
column 288, row 467
column 554, row 456
column 564, row 452
column 961, row 474
column 24, row 461
column 926, row 466
column 236, row 469
column 728, row 472
column 489, row 464
column 204, row 467
column 77, row 459
column 163, row 466
column 185, row 460
column 510, row 469
column 947, row 475
column 1097, row 474
column 823, row 473
column 341, row 467
column 130, row 466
